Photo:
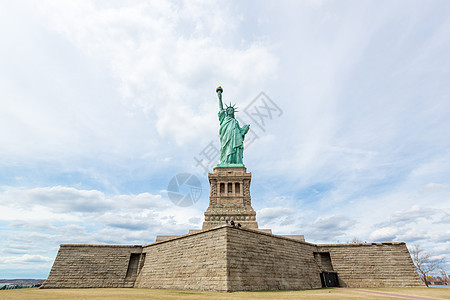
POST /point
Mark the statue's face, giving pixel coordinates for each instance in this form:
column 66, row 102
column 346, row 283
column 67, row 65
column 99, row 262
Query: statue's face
column 230, row 111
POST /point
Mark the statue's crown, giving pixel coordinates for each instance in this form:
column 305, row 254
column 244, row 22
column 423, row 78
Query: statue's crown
column 231, row 106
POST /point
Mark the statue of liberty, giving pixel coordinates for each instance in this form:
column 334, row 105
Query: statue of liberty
column 231, row 135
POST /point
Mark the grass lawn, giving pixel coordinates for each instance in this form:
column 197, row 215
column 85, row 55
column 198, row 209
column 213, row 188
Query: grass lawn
column 329, row 293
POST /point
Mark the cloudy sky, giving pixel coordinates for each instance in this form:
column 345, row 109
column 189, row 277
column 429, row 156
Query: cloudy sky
column 103, row 102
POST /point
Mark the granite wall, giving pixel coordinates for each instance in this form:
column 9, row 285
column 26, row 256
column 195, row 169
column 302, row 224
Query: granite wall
column 259, row 261
column 372, row 265
column 92, row 266
column 231, row 259
column 192, row 262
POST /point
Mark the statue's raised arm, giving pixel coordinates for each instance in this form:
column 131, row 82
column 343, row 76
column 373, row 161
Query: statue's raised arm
column 231, row 135
column 219, row 92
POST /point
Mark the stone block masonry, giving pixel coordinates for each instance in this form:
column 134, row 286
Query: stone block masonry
column 92, row 266
column 231, row 259
column 196, row 261
column 230, row 198
column 372, row 265
column 259, row 261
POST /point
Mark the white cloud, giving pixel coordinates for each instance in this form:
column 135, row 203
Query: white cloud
column 445, row 219
column 60, row 199
column 327, row 228
column 159, row 62
column 275, row 212
column 412, row 215
column 134, row 78
column 276, row 217
column 333, row 222
column 413, row 235
column 26, row 258
column 56, row 214
column 40, row 219
column 385, row 234
column 433, row 187
column 441, row 236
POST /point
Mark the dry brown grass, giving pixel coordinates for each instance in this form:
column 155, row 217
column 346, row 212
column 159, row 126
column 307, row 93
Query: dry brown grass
column 48, row 294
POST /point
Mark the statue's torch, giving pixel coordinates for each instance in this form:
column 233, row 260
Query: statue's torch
column 219, row 92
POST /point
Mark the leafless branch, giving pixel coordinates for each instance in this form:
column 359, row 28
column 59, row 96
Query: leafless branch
column 423, row 262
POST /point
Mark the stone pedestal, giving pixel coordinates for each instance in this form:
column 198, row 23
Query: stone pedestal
column 230, row 198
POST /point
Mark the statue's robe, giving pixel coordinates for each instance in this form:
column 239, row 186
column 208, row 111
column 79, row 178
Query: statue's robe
column 231, row 139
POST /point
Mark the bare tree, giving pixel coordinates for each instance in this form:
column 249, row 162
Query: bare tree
column 355, row 240
column 424, row 263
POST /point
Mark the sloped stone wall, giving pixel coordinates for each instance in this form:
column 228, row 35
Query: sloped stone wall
column 192, row 262
column 372, row 265
column 91, row 266
column 259, row 261
column 231, row 259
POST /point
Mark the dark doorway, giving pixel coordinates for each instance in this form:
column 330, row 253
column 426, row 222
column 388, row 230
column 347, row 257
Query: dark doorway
column 323, row 260
column 329, row 279
column 135, row 264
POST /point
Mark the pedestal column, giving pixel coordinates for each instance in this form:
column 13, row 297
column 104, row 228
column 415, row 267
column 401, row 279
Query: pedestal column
column 229, row 198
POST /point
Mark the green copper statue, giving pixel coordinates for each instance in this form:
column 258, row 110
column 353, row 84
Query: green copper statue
column 231, row 135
